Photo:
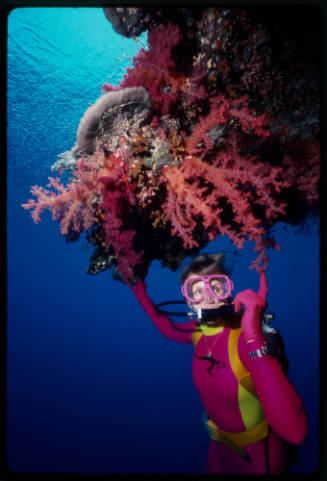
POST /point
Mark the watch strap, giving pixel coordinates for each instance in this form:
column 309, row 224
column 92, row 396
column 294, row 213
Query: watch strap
column 265, row 350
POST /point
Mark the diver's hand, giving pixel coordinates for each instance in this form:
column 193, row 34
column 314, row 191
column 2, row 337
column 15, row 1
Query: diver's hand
column 139, row 288
column 254, row 304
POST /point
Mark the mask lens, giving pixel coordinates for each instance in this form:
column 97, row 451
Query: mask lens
column 219, row 286
column 195, row 288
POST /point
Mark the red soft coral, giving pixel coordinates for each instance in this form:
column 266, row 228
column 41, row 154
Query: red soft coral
column 118, row 201
column 225, row 112
column 117, row 206
column 152, row 68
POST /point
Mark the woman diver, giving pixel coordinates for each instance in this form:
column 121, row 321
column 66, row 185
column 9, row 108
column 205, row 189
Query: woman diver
column 252, row 411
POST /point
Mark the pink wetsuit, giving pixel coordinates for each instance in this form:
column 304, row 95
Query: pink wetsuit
column 218, row 388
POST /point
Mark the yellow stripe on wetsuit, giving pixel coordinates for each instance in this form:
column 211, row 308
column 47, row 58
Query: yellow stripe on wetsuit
column 249, row 404
column 250, row 407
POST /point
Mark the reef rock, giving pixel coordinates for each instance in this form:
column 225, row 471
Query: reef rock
column 113, row 115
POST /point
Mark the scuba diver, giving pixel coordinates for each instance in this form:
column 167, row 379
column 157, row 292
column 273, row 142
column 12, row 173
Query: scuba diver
column 253, row 414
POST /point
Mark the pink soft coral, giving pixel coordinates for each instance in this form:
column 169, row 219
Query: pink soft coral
column 202, row 193
column 72, row 205
column 99, row 185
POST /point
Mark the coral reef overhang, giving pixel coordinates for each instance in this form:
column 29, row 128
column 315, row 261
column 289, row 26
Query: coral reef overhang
column 213, row 130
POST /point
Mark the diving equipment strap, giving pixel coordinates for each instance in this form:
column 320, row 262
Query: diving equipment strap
column 240, row 371
column 236, row 441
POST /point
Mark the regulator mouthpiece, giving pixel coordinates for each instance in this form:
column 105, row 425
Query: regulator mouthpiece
column 223, row 312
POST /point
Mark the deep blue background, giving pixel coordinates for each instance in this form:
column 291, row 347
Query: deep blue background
column 92, row 385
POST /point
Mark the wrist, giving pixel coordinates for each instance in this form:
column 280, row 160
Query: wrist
column 254, row 338
column 251, row 326
column 253, row 334
column 254, row 342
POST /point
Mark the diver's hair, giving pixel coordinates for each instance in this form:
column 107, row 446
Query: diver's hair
column 205, row 264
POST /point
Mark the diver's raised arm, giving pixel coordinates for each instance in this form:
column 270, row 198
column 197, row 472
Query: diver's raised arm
column 282, row 405
column 180, row 332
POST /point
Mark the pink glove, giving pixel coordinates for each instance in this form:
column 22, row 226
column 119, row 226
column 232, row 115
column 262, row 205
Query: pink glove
column 254, row 304
column 139, row 289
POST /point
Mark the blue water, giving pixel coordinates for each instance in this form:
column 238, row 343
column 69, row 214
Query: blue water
column 92, row 385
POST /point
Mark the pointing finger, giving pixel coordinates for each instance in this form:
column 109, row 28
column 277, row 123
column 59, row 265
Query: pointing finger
column 263, row 289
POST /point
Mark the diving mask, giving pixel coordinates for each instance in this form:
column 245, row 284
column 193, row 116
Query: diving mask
column 217, row 286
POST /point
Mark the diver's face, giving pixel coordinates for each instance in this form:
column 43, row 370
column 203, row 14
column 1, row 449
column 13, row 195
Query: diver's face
column 209, row 300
